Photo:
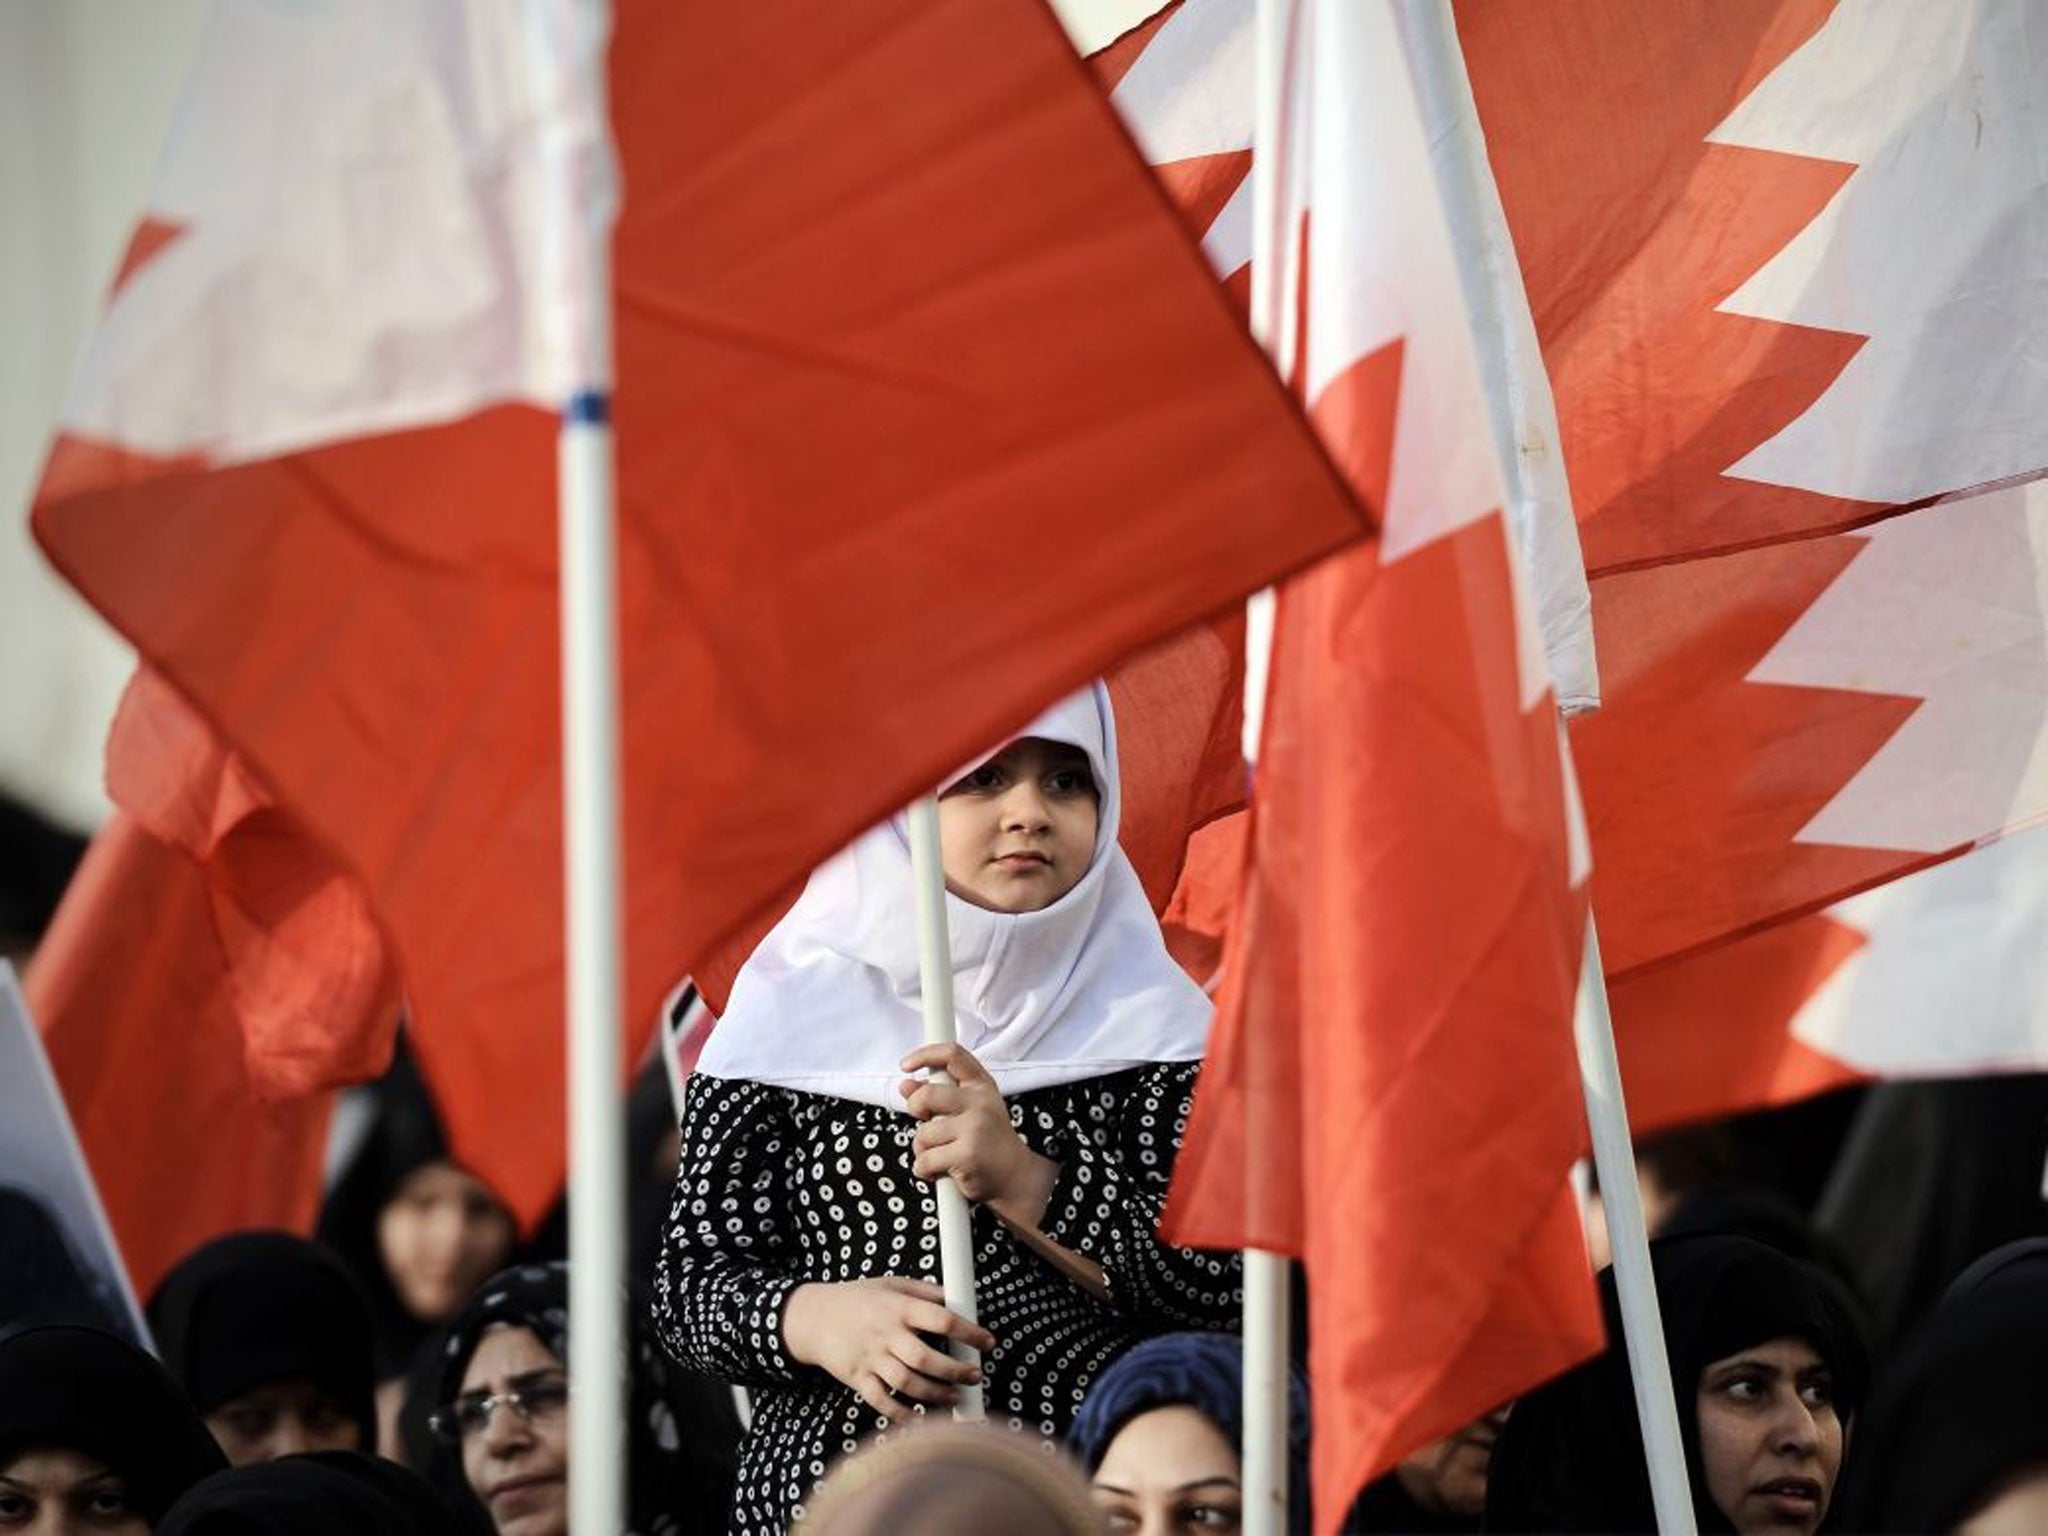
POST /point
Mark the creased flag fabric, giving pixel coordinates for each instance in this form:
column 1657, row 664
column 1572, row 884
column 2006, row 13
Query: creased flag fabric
column 134, row 992
column 1391, row 1091
column 927, row 410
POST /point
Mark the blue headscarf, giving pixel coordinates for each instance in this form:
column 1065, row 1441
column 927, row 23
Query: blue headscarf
column 1203, row 1371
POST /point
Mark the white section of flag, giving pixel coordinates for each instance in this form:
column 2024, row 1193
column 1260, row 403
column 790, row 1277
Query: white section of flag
column 1380, row 271
column 1948, row 605
column 362, row 187
column 1933, row 249
column 1953, row 974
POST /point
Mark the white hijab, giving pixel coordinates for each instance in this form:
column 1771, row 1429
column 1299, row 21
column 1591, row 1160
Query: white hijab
column 829, row 1002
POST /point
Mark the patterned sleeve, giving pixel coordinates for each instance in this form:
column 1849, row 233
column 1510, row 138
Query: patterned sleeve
column 721, row 1281
column 1115, row 1162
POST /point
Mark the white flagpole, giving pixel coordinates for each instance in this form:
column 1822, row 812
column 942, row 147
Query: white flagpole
column 1628, row 1237
column 597, row 1163
column 1275, row 275
column 935, row 982
column 1526, row 441
column 568, row 40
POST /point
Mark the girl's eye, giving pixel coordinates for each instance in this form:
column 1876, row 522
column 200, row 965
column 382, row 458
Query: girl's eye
column 1073, row 781
column 15, row 1507
column 1743, row 1389
column 1818, row 1391
column 1213, row 1517
column 981, row 780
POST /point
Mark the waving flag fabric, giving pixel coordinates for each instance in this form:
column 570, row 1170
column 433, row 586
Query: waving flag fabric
column 134, row 989
column 927, row 410
column 1183, row 84
column 1779, row 254
column 1937, row 974
column 1391, row 1091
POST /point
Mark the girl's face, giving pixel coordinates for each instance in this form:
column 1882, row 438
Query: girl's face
column 442, row 1235
column 1018, row 833
column 1770, row 1441
column 1169, row 1472
column 50, row 1492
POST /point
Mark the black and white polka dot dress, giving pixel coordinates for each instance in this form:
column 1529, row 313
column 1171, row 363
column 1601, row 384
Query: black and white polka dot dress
column 779, row 1187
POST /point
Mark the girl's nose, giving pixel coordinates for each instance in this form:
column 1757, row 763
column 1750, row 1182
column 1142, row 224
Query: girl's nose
column 1024, row 808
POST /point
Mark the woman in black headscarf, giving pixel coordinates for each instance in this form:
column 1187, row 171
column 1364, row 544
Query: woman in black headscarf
column 512, row 1342
column 90, row 1423
column 1767, row 1369
column 1140, row 1433
column 418, row 1232
column 1958, row 1438
column 323, row 1493
column 270, row 1338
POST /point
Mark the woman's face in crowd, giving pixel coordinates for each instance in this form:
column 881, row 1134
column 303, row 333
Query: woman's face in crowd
column 1770, row 1442
column 1018, row 833
column 1449, row 1476
column 282, row 1418
column 441, row 1236
column 1167, row 1471
column 65, row 1493
column 518, row 1463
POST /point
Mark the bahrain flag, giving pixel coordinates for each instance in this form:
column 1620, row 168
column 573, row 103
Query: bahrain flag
column 927, row 410
column 1391, row 1092
column 1776, row 256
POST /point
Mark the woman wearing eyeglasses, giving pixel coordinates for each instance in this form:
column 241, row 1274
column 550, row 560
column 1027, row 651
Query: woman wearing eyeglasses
column 504, row 1418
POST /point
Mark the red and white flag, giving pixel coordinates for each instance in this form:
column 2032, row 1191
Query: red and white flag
column 1778, row 257
column 1939, row 973
column 1391, row 1091
column 926, row 411
column 1779, row 254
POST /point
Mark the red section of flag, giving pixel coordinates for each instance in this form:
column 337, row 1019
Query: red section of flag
column 1391, row 1091
column 1113, row 62
column 306, row 969
column 926, row 413
column 133, row 992
column 1201, row 186
column 1630, row 228
column 1712, row 1034
column 150, row 237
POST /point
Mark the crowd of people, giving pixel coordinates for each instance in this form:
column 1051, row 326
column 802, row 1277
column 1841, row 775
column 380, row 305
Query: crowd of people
column 792, row 1360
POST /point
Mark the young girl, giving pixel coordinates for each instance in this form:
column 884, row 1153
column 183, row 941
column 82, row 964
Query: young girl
column 802, row 1251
